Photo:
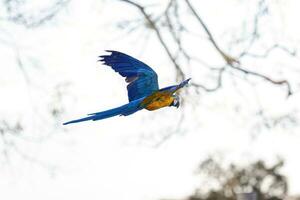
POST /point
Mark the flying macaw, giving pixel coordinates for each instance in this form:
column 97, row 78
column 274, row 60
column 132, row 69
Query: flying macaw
column 142, row 88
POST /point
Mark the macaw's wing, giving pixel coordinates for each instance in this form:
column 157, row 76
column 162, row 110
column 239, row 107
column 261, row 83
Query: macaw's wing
column 174, row 88
column 141, row 78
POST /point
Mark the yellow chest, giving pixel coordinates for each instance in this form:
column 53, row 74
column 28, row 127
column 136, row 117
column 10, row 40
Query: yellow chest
column 157, row 100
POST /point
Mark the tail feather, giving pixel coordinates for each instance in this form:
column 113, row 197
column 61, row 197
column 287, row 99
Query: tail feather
column 126, row 109
column 79, row 120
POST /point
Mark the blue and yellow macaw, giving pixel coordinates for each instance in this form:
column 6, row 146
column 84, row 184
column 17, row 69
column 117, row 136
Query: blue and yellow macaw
column 142, row 88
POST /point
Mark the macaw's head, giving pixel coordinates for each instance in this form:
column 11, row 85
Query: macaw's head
column 176, row 101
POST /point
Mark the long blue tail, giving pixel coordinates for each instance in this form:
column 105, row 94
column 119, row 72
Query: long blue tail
column 125, row 110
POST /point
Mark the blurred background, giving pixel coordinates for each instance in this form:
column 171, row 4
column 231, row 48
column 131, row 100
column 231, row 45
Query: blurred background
column 237, row 131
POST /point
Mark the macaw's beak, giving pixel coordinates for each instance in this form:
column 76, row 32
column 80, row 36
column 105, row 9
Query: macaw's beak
column 177, row 104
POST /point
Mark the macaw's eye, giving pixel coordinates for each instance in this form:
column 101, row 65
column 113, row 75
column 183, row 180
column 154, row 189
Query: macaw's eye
column 175, row 102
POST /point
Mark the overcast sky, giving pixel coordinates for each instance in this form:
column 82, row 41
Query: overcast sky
column 119, row 157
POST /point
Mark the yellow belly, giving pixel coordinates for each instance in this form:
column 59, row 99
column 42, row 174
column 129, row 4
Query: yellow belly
column 157, row 100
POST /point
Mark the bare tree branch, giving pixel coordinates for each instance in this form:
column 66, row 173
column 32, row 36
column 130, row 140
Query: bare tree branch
column 276, row 82
column 232, row 62
column 180, row 74
column 226, row 57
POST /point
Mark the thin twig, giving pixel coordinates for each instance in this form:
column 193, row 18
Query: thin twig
column 276, row 82
column 218, row 85
column 180, row 74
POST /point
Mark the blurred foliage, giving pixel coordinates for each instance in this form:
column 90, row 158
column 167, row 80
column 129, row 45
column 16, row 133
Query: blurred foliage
column 266, row 181
column 22, row 12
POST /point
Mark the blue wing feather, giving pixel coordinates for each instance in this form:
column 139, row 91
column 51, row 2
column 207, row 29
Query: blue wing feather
column 142, row 79
column 174, row 88
column 125, row 110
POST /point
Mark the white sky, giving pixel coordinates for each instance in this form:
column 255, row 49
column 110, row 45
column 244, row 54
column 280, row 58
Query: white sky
column 110, row 159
